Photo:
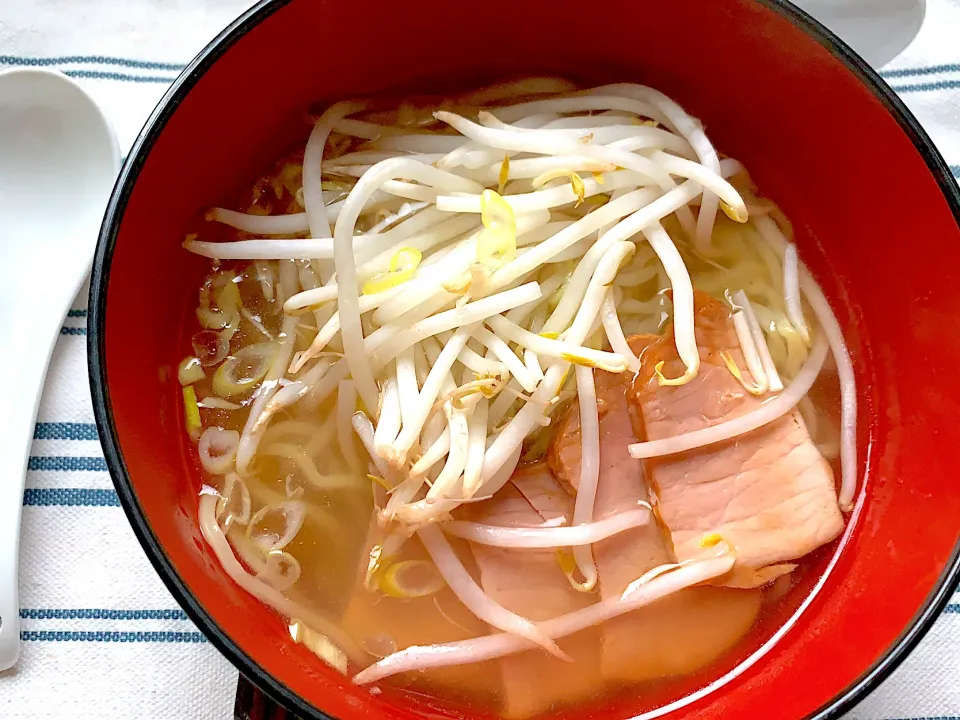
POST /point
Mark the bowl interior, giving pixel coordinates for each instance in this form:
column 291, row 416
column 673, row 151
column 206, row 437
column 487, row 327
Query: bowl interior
column 871, row 219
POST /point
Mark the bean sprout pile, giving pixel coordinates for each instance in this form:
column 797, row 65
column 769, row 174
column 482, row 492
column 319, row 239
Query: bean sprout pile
column 446, row 279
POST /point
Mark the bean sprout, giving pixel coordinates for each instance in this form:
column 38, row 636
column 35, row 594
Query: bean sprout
column 791, row 290
column 530, row 538
column 589, row 471
column 848, row 389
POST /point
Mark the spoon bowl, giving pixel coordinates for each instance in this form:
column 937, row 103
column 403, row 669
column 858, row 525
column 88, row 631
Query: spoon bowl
column 878, row 30
column 59, row 158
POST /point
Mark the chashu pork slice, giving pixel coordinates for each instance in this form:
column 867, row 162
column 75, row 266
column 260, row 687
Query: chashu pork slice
column 769, row 492
column 531, row 583
column 674, row 636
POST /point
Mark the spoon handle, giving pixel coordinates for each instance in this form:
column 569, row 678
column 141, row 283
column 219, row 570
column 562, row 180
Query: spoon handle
column 23, row 366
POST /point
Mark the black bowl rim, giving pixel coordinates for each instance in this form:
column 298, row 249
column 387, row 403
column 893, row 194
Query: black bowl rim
column 184, row 83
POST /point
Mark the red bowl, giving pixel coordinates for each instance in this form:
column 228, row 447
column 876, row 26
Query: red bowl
column 876, row 216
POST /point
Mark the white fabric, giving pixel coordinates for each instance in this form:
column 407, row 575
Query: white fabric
column 80, row 560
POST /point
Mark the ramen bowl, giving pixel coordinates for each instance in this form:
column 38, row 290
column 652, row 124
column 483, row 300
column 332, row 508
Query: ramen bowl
column 875, row 212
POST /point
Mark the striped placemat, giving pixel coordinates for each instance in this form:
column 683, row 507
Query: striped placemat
column 102, row 637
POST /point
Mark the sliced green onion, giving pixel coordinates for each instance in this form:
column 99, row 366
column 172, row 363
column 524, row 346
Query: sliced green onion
column 241, row 373
column 274, row 526
column 191, row 412
column 210, row 347
column 228, row 301
column 190, row 371
column 410, row 579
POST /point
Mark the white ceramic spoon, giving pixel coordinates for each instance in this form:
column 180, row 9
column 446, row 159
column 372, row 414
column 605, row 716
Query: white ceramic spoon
column 58, row 161
column 878, row 30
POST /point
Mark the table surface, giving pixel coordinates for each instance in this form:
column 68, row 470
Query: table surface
column 102, row 638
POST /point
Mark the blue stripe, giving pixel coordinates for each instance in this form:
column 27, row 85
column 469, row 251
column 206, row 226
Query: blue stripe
column 87, row 60
column 177, row 67
column 65, row 431
column 70, row 497
column 923, row 70
column 25, row 61
column 955, row 169
column 73, row 331
column 124, row 77
column 952, row 609
column 100, row 614
column 927, row 87
column 77, row 313
column 66, row 464
column 111, row 636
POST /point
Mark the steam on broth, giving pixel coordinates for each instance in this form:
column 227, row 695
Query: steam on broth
column 508, row 394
